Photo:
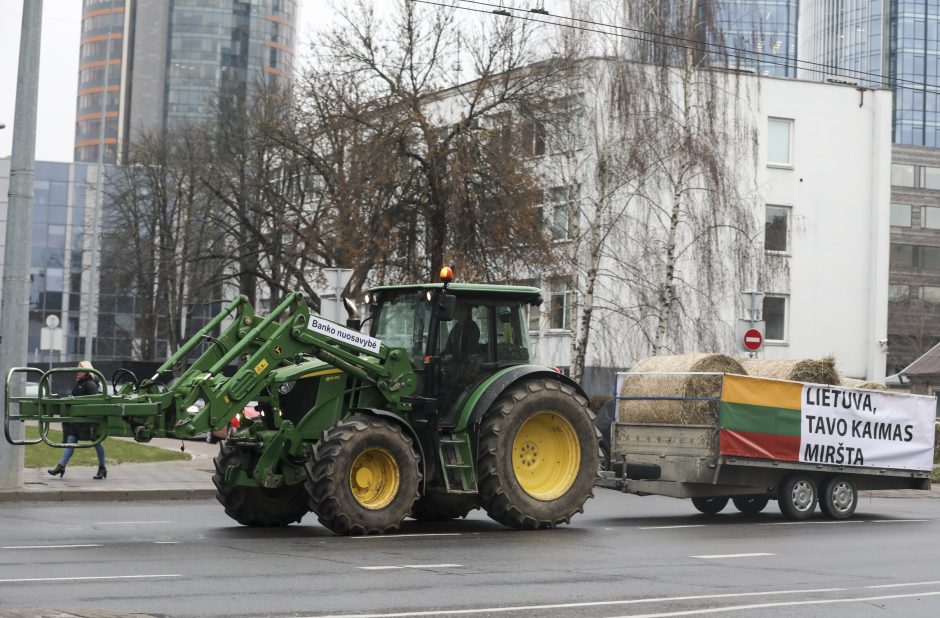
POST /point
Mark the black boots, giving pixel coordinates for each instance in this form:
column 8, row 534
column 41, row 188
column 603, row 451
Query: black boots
column 60, row 470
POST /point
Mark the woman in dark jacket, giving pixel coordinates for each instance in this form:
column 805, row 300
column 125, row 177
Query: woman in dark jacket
column 85, row 384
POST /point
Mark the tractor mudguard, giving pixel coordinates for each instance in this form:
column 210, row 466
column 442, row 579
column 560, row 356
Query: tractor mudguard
column 490, row 389
column 407, row 428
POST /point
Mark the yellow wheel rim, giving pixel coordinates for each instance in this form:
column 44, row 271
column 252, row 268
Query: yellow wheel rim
column 546, row 456
column 374, row 478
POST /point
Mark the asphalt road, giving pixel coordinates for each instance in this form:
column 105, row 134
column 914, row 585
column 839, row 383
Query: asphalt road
column 626, row 556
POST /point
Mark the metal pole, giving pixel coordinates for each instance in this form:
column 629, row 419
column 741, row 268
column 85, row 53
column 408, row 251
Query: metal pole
column 91, row 314
column 14, row 305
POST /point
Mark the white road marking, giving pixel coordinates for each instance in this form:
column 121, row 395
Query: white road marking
column 410, row 566
column 672, row 527
column 897, row 521
column 738, row 608
column 48, row 546
column 404, row 536
column 904, row 585
column 130, row 523
column 733, row 555
column 814, row 523
column 520, row 608
column 83, row 579
column 166, row 542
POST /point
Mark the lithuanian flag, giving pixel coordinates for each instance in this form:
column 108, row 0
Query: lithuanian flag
column 760, row 418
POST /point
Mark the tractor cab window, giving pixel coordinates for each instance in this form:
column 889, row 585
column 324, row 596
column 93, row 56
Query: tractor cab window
column 512, row 337
column 467, row 336
column 401, row 321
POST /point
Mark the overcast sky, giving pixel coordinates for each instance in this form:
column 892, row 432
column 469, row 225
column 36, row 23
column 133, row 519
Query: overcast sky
column 58, row 72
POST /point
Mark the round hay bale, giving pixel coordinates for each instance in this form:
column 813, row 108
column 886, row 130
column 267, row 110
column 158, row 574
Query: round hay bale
column 871, row 386
column 683, row 385
column 806, row 370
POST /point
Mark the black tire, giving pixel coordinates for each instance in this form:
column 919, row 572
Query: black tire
column 709, row 505
column 751, row 505
column 839, row 498
column 435, row 506
column 797, row 497
column 256, row 506
column 549, row 488
column 373, row 448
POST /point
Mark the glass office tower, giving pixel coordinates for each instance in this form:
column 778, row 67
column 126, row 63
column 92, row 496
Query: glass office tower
column 881, row 43
column 760, row 35
column 166, row 62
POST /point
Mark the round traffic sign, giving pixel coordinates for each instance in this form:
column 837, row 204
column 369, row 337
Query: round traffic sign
column 753, row 339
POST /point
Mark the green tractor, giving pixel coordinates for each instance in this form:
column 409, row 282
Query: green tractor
column 433, row 410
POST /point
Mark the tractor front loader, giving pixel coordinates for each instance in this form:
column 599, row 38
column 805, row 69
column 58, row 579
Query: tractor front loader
column 436, row 410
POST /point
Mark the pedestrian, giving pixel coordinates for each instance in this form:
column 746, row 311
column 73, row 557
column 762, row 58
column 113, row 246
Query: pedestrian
column 85, row 384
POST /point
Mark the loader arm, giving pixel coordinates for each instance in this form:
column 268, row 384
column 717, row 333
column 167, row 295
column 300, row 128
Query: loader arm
column 261, row 343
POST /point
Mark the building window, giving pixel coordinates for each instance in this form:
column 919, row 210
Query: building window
column 560, row 306
column 777, row 229
column 930, row 294
column 902, row 256
column 901, row 215
column 931, row 178
column 930, row 258
column 902, row 175
column 931, row 218
column 533, row 137
column 898, row 293
column 780, row 141
column 563, row 212
column 775, row 318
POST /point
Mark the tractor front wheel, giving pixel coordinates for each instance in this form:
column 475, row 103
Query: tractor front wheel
column 538, row 455
column 256, row 506
column 364, row 476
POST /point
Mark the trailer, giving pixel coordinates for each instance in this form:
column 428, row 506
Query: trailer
column 798, row 443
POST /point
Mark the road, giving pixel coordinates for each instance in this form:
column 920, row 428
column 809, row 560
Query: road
column 626, row 556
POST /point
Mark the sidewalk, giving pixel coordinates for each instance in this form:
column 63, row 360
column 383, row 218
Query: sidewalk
column 169, row 480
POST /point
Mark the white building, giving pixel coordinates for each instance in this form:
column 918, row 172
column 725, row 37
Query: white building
column 810, row 173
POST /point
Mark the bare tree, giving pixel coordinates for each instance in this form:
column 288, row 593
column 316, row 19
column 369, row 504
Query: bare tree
column 466, row 195
column 158, row 242
column 668, row 223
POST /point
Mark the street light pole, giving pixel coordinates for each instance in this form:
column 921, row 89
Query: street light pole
column 14, row 303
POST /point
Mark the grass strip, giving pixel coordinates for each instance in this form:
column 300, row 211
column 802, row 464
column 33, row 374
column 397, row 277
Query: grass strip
column 116, row 452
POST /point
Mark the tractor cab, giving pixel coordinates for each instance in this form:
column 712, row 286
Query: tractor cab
column 456, row 335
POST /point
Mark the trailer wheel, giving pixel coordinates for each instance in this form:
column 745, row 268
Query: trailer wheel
column 364, row 476
column 538, row 455
column 710, row 505
column 839, row 498
column 797, row 497
column 751, row 505
column 256, row 506
column 435, row 506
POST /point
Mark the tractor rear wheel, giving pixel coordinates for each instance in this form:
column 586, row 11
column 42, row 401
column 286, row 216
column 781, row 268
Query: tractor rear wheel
column 256, row 506
column 538, row 455
column 364, row 476
column 435, row 506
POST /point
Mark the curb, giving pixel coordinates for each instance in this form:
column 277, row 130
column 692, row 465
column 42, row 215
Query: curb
column 117, row 495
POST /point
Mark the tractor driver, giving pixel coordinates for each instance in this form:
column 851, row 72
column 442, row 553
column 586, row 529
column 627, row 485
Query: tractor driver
column 464, row 338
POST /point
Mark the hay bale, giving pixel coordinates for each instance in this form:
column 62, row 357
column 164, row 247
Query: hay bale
column 806, row 370
column 871, row 386
column 673, row 411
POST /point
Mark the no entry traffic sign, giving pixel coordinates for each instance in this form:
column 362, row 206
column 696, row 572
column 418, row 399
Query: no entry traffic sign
column 753, row 339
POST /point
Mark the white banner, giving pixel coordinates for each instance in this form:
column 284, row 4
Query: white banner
column 341, row 333
column 847, row 426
